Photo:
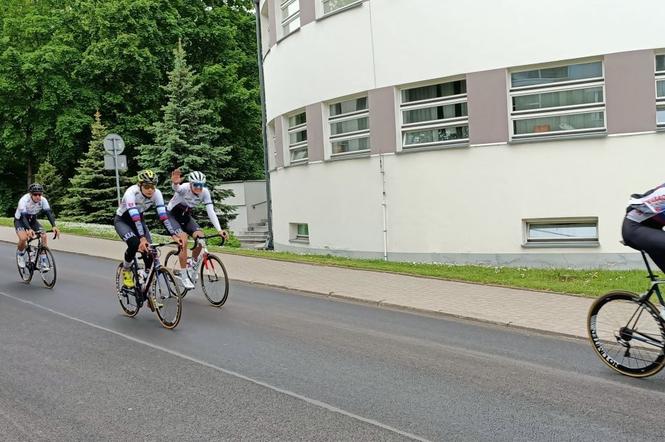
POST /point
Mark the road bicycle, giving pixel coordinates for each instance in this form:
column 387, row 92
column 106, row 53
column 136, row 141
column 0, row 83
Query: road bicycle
column 38, row 258
column 156, row 286
column 208, row 269
column 627, row 330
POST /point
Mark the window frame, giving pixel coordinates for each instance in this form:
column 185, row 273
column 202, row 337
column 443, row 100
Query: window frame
column 346, row 136
column 404, row 128
column 660, row 101
column 555, row 111
column 284, row 21
column 352, row 4
column 294, row 234
column 577, row 242
column 288, row 130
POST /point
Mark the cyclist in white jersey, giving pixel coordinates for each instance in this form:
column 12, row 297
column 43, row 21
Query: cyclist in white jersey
column 30, row 205
column 129, row 222
column 186, row 197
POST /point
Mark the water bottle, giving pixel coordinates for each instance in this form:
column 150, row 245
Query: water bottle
column 32, row 254
column 142, row 276
column 662, row 312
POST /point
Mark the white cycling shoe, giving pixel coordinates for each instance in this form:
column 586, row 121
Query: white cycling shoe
column 186, row 282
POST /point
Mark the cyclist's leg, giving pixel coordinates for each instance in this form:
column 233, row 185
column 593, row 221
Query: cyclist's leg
column 22, row 234
column 37, row 227
column 193, row 229
column 127, row 231
column 647, row 237
column 177, row 228
column 147, row 257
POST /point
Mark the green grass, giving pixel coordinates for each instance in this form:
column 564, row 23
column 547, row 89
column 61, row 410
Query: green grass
column 590, row 283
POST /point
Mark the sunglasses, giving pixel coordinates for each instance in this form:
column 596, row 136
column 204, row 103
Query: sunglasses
column 148, row 186
column 36, row 194
column 197, row 185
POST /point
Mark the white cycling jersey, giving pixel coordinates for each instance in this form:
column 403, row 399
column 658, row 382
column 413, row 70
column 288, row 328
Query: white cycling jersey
column 187, row 200
column 134, row 201
column 27, row 207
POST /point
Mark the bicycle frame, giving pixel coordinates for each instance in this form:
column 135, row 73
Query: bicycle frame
column 655, row 282
column 203, row 255
column 39, row 247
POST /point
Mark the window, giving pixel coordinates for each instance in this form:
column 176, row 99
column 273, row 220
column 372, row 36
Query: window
column 290, row 16
column 299, row 232
column 571, row 232
column 297, row 134
column 554, row 101
column 434, row 115
column 334, row 5
column 660, row 90
column 349, row 126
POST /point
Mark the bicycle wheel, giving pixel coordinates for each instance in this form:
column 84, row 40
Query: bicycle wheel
column 126, row 296
column 172, row 263
column 165, row 299
column 48, row 273
column 26, row 272
column 214, row 281
column 627, row 334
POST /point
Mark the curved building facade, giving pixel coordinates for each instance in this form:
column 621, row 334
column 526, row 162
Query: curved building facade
column 501, row 133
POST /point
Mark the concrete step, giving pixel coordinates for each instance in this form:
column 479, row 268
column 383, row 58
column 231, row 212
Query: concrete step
column 261, row 229
column 251, row 235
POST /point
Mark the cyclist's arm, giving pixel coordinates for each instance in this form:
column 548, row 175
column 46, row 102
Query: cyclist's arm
column 23, row 214
column 162, row 213
column 48, row 212
column 210, row 208
column 134, row 213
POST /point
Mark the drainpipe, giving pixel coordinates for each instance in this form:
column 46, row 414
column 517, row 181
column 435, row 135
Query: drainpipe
column 384, row 207
column 259, row 49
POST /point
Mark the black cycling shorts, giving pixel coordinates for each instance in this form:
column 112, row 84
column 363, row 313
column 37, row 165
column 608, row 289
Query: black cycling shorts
column 32, row 220
column 183, row 223
column 127, row 228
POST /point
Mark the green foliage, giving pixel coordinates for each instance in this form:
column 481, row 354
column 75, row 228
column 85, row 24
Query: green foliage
column 232, row 242
column 186, row 136
column 54, row 188
column 92, row 195
column 60, row 60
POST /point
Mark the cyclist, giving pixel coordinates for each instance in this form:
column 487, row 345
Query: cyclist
column 186, row 197
column 30, row 205
column 130, row 224
column 644, row 223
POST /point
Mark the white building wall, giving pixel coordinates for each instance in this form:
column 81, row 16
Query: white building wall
column 392, row 42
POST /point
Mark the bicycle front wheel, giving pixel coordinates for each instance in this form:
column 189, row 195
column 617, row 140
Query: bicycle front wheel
column 627, row 334
column 47, row 268
column 165, row 299
column 126, row 296
column 214, row 281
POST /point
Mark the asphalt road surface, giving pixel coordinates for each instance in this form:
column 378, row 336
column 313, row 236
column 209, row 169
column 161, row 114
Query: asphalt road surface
column 278, row 365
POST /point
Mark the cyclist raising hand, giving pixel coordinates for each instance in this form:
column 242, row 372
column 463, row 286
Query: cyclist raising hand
column 186, row 197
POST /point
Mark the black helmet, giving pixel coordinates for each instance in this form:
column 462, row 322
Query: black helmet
column 35, row 188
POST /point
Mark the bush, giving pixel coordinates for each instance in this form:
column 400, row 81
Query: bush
column 232, row 242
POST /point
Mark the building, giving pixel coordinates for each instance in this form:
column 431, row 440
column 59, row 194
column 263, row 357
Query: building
column 501, row 133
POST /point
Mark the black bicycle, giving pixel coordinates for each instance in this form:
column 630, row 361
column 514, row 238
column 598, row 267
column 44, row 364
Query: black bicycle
column 208, row 269
column 38, row 258
column 157, row 287
column 627, row 331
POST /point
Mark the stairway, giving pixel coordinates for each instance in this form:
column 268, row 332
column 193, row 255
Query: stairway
column 255, row 236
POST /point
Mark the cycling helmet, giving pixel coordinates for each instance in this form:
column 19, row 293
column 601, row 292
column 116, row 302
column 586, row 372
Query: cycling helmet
column 147, row 177
column 196, row 177
column 35, row 188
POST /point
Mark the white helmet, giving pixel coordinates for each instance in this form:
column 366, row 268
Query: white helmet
column 196, row 177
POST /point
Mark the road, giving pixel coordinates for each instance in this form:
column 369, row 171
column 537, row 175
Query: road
column 278, row 365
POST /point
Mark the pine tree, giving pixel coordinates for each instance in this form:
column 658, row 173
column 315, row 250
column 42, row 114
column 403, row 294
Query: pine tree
column 51, row 179
column 185, row 137
column 92, row 195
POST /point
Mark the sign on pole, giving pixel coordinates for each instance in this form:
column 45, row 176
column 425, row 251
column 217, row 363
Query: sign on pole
column 109, row 163
column 114, row 146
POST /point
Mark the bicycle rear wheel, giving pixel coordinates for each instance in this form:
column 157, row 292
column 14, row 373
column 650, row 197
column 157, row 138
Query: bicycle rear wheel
column 126, row 296
column 26, row 272
column 165, row 298
column 48, row 273
column 627, row 334
column 172, row 263
column 214, row 281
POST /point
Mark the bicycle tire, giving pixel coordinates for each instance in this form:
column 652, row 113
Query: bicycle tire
column 627, row 334
column 209, row 270
column 164, row 291
column 130, row 309
column 26, row 272
column 50, row 283
column 173, row 264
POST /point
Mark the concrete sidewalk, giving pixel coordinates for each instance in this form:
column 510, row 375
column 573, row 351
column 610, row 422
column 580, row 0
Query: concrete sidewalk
column 521, row 308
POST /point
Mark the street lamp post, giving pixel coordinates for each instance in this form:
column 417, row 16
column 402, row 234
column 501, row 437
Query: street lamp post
column 266, row 167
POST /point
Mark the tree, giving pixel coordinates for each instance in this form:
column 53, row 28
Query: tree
column 186, row 135
column 92, row 196
column 51, row 179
